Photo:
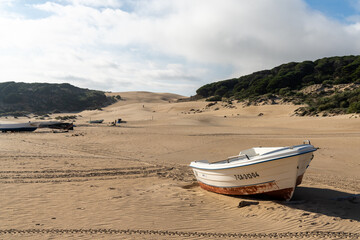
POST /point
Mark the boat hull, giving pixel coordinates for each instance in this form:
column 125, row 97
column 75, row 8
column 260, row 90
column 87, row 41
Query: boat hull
column 277, row 178
column 18, row 127
column 56, row 125
column 266, row 188
column 24, row 129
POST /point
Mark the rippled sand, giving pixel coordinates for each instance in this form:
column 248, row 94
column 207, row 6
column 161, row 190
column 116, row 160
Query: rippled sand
column 132, row 181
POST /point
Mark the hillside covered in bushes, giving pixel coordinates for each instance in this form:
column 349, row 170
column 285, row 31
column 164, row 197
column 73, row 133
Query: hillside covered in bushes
column 336, row 80
column 41, row 98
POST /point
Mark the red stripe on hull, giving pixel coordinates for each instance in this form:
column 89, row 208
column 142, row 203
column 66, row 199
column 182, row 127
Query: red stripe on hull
column 270, row 188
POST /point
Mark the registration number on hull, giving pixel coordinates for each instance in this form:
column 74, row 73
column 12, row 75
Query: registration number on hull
column 246, row 176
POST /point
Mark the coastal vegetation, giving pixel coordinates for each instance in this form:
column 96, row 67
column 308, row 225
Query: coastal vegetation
column 325, row 85
column 19, row 99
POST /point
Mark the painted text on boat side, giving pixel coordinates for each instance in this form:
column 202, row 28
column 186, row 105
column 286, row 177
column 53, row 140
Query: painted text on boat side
column 246, row 176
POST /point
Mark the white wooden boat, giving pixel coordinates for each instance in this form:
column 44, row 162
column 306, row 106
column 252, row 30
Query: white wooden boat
column 275, row 171
column 18, row 127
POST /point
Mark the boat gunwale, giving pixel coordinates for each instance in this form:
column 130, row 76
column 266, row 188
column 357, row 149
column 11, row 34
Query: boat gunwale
column 249, row 164
column 301, row 146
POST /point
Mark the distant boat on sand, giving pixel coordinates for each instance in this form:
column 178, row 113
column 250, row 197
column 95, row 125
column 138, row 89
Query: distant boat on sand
column 274, row 171
column 56, row 125
column 32, row 126
column 96, row 121
column 18, row 127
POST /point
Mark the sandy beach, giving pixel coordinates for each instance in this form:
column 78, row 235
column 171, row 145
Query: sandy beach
column 132, row 180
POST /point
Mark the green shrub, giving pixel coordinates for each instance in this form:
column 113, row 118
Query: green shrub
column 285, row 91
column 344, row 104
column 354, row 107
column 328, row 82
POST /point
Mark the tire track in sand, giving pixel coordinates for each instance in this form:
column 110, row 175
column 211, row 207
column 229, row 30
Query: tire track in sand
column 286, row 235
column 45, row 176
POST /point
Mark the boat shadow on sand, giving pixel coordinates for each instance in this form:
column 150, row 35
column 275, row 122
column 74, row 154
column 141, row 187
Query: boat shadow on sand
column 328, row 202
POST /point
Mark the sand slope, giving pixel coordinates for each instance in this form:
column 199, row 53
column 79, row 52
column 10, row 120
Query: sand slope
column 132, row 181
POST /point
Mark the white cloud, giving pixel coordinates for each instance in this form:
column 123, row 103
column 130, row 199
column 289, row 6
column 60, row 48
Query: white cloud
column 97, row 3
column 6, row 2
column 162, row 45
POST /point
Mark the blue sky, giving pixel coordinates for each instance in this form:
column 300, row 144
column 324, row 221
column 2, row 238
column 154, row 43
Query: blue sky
column 337, row 9
column 167, row 45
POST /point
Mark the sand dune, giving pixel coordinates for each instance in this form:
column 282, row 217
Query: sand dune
column 132, row 181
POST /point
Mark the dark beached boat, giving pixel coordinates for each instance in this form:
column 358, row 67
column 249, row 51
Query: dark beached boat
column 96, row 121
column 56, row 125
column 18, row 127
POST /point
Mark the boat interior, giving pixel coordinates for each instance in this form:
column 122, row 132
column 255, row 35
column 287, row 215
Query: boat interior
column 247, row 154
column 251, row 154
